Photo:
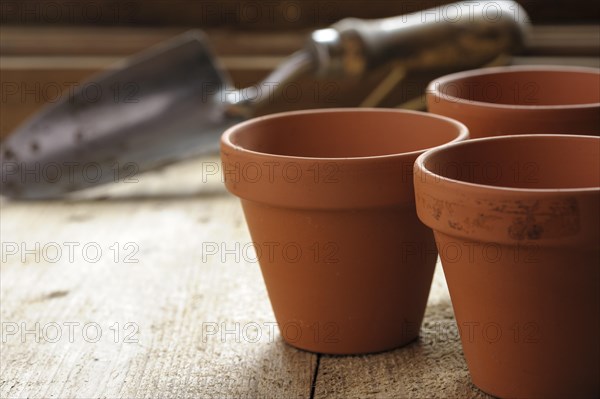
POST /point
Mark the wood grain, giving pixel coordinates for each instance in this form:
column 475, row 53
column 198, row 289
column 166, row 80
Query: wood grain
column 174, row 297
column 431, row 367
column 185, row 306
column 549, row 40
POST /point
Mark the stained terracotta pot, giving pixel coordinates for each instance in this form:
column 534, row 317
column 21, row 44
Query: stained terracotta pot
column 520, row 100
column 516, row 223
column 329, row 201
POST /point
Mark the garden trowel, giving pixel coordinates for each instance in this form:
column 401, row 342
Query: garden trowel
column 174, row 101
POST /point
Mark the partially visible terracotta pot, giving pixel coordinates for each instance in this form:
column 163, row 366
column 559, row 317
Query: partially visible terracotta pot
column 517, row 225
column 520, row 100
column 329, row 201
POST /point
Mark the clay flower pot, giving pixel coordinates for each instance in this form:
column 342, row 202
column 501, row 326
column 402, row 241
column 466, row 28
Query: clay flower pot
column 520, row 100
column 516, row 223
column 329, row 201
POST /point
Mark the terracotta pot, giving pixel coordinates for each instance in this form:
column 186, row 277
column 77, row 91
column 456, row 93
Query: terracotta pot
column 520, row 100
column 329, row 201
column 516, row 223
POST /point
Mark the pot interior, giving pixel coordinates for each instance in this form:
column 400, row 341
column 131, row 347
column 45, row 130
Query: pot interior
column 533, row 162
column 344, row 133
column 526, row 88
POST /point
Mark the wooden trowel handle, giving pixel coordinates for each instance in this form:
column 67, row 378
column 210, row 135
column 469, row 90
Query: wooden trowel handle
column 462, row 35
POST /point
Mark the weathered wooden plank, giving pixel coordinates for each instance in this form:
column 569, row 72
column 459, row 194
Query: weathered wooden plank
column 550, row 40
column 111, row 41
column 194, row 320
column 431, row 367
column 592, row 62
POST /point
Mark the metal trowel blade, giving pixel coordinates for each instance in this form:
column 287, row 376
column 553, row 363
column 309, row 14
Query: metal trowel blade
column 154, row 108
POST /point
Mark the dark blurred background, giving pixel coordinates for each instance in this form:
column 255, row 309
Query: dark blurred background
column 255, row 15
column 48, row 45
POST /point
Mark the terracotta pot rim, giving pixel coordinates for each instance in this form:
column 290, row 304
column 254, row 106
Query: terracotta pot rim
column 423, row 158
column 463, row 134
column 432, row 87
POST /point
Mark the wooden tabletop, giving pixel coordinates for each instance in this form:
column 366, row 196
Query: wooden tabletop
column 146, row 289
column 119, row 292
